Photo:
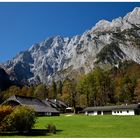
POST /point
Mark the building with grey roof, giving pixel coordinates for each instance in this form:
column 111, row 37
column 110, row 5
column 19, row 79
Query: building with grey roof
column 132, row 109
column 39, row 107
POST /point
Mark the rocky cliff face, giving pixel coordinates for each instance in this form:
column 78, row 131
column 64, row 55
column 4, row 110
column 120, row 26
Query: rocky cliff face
column 105, row 45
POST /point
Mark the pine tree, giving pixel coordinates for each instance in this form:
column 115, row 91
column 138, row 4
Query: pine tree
column 54, row 90
column 41, row 91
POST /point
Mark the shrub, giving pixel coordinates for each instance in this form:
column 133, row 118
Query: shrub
column 51, row 128
column 21, row 119
column 4, row 111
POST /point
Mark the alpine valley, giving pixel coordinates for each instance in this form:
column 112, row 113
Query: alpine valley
column 105, row 45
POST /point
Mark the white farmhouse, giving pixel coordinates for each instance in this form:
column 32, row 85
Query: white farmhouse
column 133, row 109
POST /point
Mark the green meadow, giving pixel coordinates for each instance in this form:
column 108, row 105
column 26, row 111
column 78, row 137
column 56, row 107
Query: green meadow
column 81, row 126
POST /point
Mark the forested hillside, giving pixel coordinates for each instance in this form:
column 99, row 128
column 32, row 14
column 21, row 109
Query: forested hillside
column 120, row 85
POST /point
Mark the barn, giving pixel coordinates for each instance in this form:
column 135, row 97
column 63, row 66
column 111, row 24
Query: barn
column 132, row 109
column 39, row 107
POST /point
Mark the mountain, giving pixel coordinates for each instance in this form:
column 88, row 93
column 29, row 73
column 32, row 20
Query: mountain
column 105, row 45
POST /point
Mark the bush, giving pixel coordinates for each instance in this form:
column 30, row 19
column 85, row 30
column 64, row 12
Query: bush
column 21, row 119
column 51, row 128
column 4, row 111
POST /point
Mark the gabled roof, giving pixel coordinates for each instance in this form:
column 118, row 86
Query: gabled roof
column 47, row 102
column 58, row 103
column 55, row 103
column 32, row 102
column 109, row 108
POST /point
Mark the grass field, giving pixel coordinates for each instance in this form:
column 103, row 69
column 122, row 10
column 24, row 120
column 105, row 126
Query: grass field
column 81, row 126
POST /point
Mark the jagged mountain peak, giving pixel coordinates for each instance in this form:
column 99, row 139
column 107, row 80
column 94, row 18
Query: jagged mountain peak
column 122, row 23
column 104, row 45
column 135, row 12
column 49, row 42
column 134, row 16
column 101, row 25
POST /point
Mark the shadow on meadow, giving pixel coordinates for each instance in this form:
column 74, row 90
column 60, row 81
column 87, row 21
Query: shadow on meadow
column 33, row 132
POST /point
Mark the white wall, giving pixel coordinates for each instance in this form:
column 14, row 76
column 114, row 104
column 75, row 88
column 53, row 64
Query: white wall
column 91, row 113
column 116, row 112
column 123, row 112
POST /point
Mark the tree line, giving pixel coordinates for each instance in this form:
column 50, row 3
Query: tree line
column 97, row 88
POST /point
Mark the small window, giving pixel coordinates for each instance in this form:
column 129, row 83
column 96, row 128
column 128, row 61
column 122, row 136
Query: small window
column 127, row 111
column 117, row 111
column 114, row 111
column 120, row 111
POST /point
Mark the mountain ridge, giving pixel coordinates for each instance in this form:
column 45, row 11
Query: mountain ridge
column 107, row 43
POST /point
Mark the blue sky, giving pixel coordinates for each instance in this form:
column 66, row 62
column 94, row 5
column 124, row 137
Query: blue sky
column 23, row 24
